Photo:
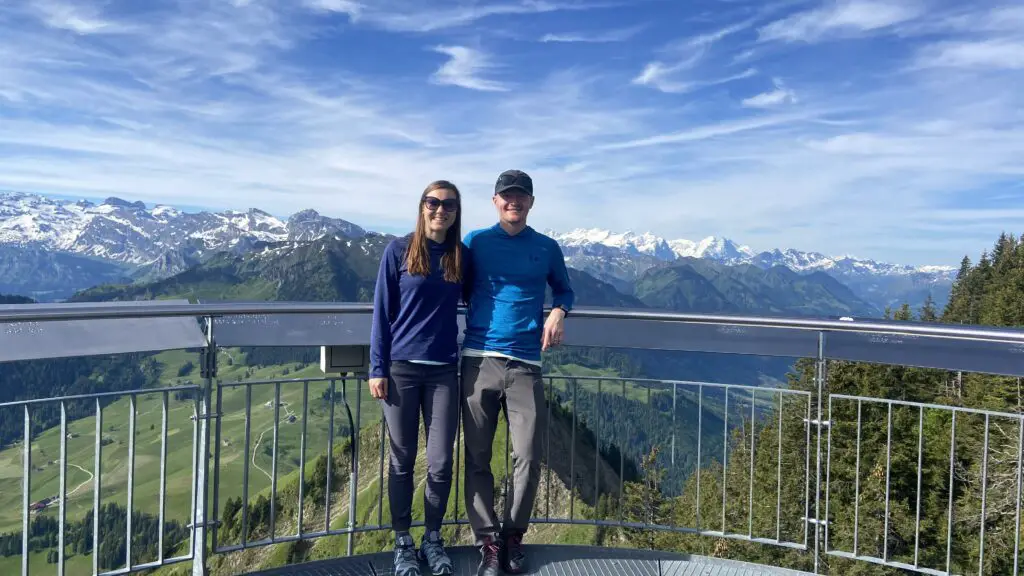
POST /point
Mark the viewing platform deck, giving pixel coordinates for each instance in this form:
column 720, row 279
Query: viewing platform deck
column 552, row 561
column 224, row 454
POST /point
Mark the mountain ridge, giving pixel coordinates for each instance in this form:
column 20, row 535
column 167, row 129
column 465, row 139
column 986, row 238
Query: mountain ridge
column 622, row 258
column 151, row 243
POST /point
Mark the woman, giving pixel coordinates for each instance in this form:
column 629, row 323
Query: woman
column 413, row 366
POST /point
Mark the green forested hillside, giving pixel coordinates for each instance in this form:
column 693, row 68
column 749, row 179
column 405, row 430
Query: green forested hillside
column 328, row 269
column 698, row 285
column 988, row 292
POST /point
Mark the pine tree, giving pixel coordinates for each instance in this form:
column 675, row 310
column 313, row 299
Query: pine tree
column 646, row 504
column 928, row 313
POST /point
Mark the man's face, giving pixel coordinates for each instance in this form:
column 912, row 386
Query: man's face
column 513, row 206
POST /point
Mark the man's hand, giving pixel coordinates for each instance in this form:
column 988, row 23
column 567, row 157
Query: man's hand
column 554, row 328
column 379, row 388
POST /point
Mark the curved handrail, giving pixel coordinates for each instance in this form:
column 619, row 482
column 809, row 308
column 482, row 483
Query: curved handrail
column 76, row 311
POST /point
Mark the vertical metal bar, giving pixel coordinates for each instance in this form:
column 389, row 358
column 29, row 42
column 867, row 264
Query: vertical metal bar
column 547, row 450
column 856, row 484
column 828, row 471
column 572, row 454
column 163, row 477
column 330, row 460
column 215, row 512
column 26, row 490
column 302, row 452
column 949, row 518
column 807, row 472
column 63, row 507
column 131, row 482
column 622, row 465
column 1016, row 532
column 750, row 497
column 700, row 425
column 354, row 482
column 984, row 495
column 96, row 488
column 597, row 448
column 778, row 479
column 920, row 456
column 888, row 470
column 820, row 377
column 725, row 455
column 674, row 386
column 273, row 462
column 194, row 536
column 203, row 453
column 245, row 465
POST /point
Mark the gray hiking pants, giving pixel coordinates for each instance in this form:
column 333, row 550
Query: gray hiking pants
column 433, row 391
column 489, row 385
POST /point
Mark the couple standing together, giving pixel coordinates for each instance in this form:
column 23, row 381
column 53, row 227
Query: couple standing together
column 501, row 273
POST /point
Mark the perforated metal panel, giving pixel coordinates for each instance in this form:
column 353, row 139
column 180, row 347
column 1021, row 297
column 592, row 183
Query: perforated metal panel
column 968, row 355
column 667, row 335
column 66, row 338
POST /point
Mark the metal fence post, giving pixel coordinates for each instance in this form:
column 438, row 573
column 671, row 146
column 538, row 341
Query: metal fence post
column 819, row 377
column 208, row 371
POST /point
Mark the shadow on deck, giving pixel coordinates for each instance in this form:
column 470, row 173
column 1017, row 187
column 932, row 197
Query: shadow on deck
column 548, row 560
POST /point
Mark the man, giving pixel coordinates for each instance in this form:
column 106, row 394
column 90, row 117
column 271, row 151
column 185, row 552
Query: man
column 510, row 267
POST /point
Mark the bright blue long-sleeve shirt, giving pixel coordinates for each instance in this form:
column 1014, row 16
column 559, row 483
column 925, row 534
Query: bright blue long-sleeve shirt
column 414, row 317
column 506, row 283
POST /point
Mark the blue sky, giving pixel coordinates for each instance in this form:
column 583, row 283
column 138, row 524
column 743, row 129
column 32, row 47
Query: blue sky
column 889, row 129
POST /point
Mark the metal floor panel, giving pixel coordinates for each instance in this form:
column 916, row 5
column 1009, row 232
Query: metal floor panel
column 548, row 560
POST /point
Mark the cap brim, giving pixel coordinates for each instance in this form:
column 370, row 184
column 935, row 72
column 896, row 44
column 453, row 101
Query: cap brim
column 513, row 187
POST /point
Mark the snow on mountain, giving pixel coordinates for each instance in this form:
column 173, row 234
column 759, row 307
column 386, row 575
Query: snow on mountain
column 647, row 244
column 160, row 241
column 726, row 251
column 131, row 233
column 622, row 258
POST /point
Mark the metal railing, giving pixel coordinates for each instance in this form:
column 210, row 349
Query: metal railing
column 735, row 425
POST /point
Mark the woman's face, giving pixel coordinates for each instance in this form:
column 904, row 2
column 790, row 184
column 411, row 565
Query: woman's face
column 439, row 208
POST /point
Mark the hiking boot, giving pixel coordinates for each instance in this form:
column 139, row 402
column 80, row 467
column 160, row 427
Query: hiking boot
column 513, row 559
column 489, row 552
column 406, row 563
column 432, row 552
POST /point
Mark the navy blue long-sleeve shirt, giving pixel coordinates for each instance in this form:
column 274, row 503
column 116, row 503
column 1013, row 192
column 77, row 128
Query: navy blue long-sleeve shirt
column 414, row 317
column 506, row 281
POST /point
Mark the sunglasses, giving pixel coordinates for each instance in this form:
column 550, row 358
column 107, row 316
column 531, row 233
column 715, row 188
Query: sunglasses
column 450, row 205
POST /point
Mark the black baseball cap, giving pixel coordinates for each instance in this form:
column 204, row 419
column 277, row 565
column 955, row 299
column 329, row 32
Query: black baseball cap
column 510, row 179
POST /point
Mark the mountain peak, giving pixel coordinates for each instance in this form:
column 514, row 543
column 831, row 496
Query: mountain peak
column 115, row 201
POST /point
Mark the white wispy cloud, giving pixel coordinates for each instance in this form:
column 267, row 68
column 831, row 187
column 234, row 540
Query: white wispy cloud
column 351, row 7
column 617, row 35
column 74, row 17
column 678, row 69
column 841, row 18
column 667, row 80
column 777, row 97
column 1005, row 53
column 214, row 104
column 705, row 132
column 464, row 67
column 433, row 15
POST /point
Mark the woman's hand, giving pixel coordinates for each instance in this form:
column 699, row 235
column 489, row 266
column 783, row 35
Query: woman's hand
column 379, row 388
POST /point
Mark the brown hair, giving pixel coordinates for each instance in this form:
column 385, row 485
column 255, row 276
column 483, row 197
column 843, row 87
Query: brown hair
column 417, row 256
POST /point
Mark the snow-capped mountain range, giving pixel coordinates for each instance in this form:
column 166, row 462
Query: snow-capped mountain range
column 622, row 258
column 725, row 251
column 159, row 241
column 131, row 233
